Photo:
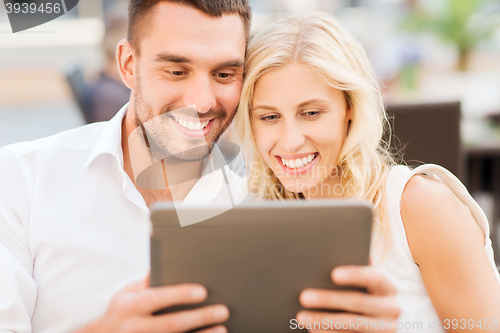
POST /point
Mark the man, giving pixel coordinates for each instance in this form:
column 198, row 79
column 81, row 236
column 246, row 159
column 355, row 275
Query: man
column 74, row 230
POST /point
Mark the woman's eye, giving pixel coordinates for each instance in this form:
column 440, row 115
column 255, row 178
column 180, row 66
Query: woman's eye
column 312, row 113
column 269, row 118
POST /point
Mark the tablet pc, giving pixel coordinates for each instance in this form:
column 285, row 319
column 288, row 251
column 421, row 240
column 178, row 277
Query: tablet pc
column 257, row 257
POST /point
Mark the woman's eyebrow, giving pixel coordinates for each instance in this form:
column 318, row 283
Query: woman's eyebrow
column 301, row 105
column 264, row 107
column 312, row 101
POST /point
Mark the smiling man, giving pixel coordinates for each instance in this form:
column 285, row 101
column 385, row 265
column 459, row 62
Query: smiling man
column 185, row 70
column 74, row 222
column 74, row 207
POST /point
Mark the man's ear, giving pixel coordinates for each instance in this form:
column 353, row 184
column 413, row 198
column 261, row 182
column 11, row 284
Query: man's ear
column 125, row 58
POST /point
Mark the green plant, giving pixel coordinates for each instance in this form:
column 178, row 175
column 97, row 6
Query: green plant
column 457, row 23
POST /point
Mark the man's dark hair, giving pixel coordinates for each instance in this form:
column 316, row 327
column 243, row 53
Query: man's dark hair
column 140, row 10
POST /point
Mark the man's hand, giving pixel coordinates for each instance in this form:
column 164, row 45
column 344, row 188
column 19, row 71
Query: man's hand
column 376, row 311
column 131, row 311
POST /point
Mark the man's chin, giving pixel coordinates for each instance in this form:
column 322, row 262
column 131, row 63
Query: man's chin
column 190, row 155
column 166, row 143
column 196, row 150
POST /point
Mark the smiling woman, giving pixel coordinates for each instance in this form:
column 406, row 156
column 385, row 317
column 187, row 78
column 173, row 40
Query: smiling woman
column 311, row 119
column 294, row 62
column 282, row 127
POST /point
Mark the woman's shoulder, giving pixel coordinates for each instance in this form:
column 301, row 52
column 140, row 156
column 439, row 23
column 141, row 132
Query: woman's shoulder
column 424, row 192
column 434, row 216
column 430, row 190
column 425, row 185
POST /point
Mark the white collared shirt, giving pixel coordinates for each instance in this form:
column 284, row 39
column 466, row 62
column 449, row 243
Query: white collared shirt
column 74, row 230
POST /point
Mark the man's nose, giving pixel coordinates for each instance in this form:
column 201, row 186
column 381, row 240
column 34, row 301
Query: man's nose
column 292, row 137
column 200, row 92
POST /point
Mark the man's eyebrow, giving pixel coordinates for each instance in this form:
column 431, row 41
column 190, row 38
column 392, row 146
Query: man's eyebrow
column 232, row 63
column 169, row 57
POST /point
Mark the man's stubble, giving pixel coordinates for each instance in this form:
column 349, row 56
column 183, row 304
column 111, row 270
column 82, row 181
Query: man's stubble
column 159, row 141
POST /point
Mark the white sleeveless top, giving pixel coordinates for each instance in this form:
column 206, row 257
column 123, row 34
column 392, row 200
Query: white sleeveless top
column 398, row 264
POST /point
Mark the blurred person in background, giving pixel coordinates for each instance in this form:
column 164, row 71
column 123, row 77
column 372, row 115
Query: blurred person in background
column 109, row 94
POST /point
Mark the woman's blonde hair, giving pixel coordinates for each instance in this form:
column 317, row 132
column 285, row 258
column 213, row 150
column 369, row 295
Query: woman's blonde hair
column 317, row 41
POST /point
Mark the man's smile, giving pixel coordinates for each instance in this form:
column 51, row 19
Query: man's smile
column 194, row 125
column 193, row 128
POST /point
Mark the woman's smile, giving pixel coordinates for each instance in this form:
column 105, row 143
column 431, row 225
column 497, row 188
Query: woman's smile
column 297, row 164
column 300, row 125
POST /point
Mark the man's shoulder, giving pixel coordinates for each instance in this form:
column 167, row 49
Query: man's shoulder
column 77, row 139
column 51, row 154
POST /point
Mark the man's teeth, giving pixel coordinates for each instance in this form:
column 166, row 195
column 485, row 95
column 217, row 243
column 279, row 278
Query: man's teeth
column 299, row 162
column 192, row 126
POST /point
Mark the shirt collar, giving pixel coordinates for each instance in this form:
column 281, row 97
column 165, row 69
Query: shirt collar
column 212, row 161
column 219, row 187
column 109, row 140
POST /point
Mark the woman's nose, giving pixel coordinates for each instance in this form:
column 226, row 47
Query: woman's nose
column 292, row 137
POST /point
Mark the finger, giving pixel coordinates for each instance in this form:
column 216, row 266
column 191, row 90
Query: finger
column 316, row 321
column 157, row 298
column 138, row 285
column 214, row 329
column 363, row 276
column 188, row 320
column 350, row 301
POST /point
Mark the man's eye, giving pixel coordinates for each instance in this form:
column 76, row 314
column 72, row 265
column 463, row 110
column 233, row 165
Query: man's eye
column 223, row 75
column 177, row 73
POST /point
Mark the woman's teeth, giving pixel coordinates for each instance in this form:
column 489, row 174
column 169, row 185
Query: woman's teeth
column 192, row 126
column 299, row 162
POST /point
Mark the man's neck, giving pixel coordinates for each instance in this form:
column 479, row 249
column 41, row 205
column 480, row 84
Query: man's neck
column 188, row 170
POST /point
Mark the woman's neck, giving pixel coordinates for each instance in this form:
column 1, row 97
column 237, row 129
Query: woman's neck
column 330, row 188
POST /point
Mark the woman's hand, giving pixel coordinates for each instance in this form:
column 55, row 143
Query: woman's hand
column 375, row 311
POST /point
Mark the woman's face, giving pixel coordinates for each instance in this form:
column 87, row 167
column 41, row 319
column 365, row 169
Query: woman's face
column 300, row 125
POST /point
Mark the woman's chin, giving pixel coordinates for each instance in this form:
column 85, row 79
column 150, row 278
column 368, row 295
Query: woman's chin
column 298, row 185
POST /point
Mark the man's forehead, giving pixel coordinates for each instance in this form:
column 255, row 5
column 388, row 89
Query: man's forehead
column 190, row 31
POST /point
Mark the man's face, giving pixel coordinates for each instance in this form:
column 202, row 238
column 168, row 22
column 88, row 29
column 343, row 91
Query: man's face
column 188, row 78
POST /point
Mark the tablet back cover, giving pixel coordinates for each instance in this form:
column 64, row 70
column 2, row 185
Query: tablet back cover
column 259, row 256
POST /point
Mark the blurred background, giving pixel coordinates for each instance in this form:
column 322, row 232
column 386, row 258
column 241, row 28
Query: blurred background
column 438, row 62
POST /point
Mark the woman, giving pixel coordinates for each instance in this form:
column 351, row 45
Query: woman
column 311, row 118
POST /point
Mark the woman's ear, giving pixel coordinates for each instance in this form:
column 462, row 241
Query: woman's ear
column 349, row 118
column 348, row 110
column 125, row 58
